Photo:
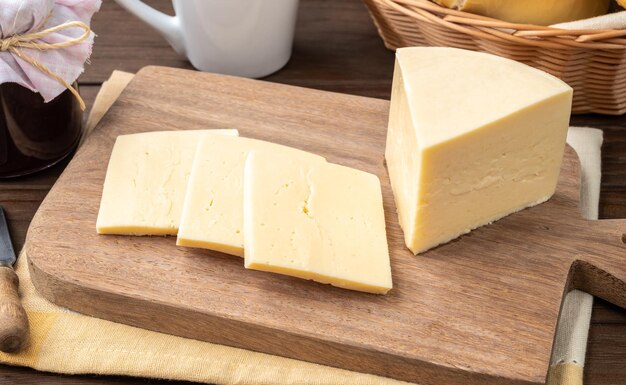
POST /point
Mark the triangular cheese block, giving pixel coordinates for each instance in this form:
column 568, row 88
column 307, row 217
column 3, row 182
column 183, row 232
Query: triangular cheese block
column 472, row 137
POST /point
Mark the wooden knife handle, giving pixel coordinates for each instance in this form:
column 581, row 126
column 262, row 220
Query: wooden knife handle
column 13, row 318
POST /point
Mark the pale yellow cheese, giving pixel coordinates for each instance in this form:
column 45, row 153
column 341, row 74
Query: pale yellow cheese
column 538, row 12
column 472, row 137
column 212, row 215
column 146, row 180
column 314, row 220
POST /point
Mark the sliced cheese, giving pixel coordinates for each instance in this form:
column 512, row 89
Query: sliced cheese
column 146, row 180
column 314, row 220
column 472, row 137
column 538, row 12
column 212, row 216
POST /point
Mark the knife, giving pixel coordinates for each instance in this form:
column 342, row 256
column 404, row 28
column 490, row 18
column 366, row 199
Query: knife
column 13, row 318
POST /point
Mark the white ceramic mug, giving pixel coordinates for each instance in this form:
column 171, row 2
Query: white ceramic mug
column 250, row 38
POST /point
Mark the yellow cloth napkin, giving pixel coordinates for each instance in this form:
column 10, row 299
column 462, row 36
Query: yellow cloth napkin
column 108, row 94
column 63, row 341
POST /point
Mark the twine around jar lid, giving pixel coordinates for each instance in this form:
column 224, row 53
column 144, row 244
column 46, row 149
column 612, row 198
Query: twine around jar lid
column 16, row 43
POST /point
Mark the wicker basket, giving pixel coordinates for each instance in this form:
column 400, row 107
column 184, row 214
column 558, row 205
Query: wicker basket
column 593, row 62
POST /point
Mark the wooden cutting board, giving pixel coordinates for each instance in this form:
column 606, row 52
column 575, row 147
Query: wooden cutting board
column 481, row 309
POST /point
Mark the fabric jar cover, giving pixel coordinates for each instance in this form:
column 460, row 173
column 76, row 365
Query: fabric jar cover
column 24, row 17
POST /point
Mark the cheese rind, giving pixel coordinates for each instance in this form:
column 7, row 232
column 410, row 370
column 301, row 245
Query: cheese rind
column 146, row 179
column 472, row 138
column 318, row 221
column 212, row 215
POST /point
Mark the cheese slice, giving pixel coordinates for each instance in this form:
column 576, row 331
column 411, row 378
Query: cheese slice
column 538, row 12
column 146, row 180
column 472, row 137
column 314, row 220
column 212, row 216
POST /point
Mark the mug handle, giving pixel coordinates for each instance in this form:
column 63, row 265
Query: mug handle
column 167, row 26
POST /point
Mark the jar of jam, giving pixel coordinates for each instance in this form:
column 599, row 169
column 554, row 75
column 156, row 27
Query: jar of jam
column 35, row 135
column 44, row 45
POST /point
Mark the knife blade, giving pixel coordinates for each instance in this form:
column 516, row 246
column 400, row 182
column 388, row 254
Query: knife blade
column 7, row 255
column 13, row 319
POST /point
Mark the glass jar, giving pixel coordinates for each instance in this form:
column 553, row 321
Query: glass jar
column 35, row 135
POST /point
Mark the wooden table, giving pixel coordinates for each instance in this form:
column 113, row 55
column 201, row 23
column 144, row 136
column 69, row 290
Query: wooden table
column 337, row 49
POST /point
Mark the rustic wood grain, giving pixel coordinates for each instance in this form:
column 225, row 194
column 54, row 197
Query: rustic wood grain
column 436, row 326
column 336, row 45
column 124, row 43
column 608, row 365
column 336, row 48
column 13, row 319
column 11, row 375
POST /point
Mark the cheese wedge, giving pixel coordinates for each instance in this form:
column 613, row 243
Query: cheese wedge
column 146, row 180
column 472, row 137
column 538, row 12
column 212, row 216
column 314, row 220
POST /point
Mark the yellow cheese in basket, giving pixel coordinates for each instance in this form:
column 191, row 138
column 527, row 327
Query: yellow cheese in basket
column 538, row 12
column 472, row 137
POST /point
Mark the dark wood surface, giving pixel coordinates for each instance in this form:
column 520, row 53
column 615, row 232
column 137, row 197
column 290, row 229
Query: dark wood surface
column 336, row 49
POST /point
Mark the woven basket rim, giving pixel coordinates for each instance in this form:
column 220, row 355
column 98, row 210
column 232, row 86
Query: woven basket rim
column 527, row 34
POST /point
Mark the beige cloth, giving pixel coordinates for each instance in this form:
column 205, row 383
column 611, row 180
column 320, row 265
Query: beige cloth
column 66, row 342
column 570, row 343
column 109, row 92
column 615, row 20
